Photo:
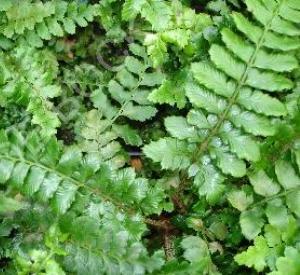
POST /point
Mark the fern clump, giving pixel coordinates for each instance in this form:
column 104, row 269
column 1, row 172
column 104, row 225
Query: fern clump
column 149, row 137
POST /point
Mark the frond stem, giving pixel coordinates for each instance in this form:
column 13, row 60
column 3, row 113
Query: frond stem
column 279, row 195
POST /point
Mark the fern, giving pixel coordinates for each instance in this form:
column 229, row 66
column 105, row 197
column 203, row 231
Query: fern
column 172, row 91
column 211, row 88
column 173, row 22
column 156, row 12
column 129, row 88
column 38, row 21
column 28, row 80
column 9, row 205
column 46, row 179
column 232, row 104
column 276, row 215
column 100, row 141
column 115, row 199
column 123, row 95
column 111, row 20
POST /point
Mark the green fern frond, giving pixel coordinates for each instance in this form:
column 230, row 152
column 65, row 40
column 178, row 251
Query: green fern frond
column 173, row 23
column 98, row 138
column 38, row 21
column 55, row 176
column 271, row 220
column 108, row 242
column 156, row 12
column 232, row 94
column 129, row 88
column 115, row 202
column 9, row 205
column 172, row 91
column 29, row 80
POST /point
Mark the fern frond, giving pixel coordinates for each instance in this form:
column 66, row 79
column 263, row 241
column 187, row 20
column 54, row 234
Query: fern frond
column 9, row 205
column 234, row 93
column 115, row 201
column 52, row 175
column 38, row 21
column 29, row 80
column 121, row 254
column 156, row 12
column 173, row 23
column 171, row 153
column 129, row 88
column 272, row 40
column 172, row 91
column 97, row 137
column 280, row 62
column 273, row 216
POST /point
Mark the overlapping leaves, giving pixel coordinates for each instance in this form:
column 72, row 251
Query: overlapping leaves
column 129, row 89
column 115, row 200
column 270, row 213
column 38, row 21
column 231, row 95
column 49, row 173
column 29, row 80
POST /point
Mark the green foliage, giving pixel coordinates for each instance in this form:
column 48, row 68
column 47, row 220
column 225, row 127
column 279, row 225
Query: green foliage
column 9, row 205
column 231, row 106
column 275, row 212
column 51, row 174
column 256, row 255
column 149, row 137
column 129, row 88
column 114, row 199
column 29, row 80
column 37, row 21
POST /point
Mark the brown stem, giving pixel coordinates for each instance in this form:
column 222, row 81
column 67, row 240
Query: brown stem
column 162, row 224
column 177, row 197
column 166, row 229
column 179, row 204
column 168, row 246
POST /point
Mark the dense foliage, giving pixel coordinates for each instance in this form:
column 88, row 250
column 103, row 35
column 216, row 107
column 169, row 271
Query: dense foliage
column 149, row 137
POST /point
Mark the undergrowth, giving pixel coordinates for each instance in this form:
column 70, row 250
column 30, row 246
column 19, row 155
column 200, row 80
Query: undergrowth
column 149, row 137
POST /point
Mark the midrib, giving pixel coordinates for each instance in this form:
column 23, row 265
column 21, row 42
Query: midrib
column 79, row 184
